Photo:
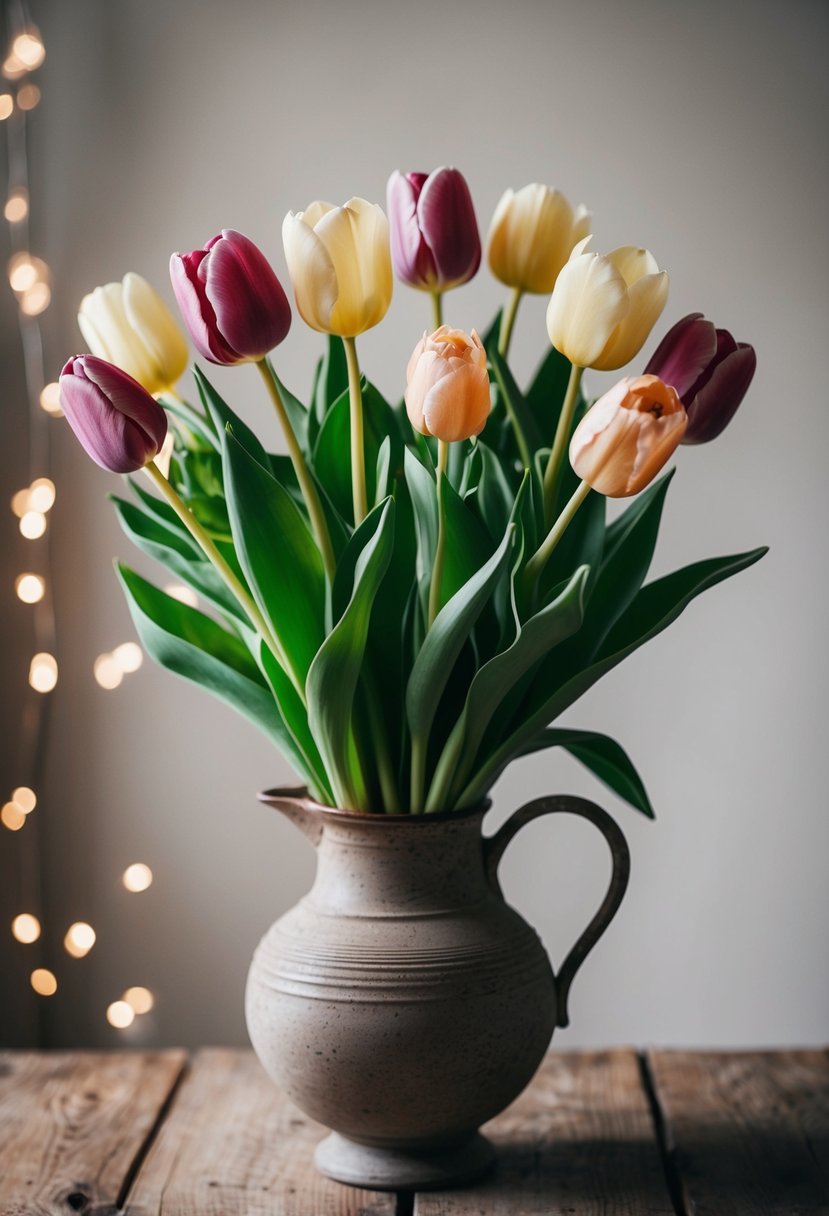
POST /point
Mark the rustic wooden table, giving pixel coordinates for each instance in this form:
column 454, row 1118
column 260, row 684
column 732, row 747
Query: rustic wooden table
column 150, row 1133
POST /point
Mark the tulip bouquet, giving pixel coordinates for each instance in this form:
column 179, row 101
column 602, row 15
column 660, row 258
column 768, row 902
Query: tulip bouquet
column 407, row 599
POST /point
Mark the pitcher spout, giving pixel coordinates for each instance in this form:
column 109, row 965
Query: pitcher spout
column 294, row 802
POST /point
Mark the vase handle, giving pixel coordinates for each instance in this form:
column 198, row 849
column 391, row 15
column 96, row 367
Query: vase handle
column 494, row 847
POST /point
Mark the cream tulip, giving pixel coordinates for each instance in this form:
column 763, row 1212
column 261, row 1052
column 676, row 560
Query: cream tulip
column 604, row 306
column 531, row 236
column 129, row 325
column 339, row 261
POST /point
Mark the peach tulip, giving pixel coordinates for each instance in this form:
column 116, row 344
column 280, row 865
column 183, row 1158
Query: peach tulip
column 447, row 392
column 629, row 434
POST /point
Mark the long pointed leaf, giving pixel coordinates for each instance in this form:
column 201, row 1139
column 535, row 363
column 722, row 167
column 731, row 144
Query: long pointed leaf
column 605, row 758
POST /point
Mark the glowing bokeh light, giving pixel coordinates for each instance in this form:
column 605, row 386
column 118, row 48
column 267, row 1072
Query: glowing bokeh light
column 185, row 595
column 43, row 672
column 140, row 999
column 17, row 207
column 25, row 798
column 50, row 399
column 20, row 502
column 28, row 48
column 120, row 1015
column 22, row 272
column 28, row 96
column 137, row 877
column 79, row 939
column 12, row 817
column 32, row 524
column 129, row 656
column 26, row 928
column 43, row 982
column 6, row 105
column 30, row 588
column 42, row 494
column 36, row 299
column 106, row 671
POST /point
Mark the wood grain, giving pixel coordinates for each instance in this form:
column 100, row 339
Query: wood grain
column 232, row 1145
column 73, row 1125
column 746, row 1132
column 579, row 1140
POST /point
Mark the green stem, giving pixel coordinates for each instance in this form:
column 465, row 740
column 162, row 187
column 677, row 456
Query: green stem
column 440, row 547
column 358, row 455
column 508, row 321
column 509, row 406
column 562, row 438
column 210, row 551
column 418, row 774
column 437, row 309
column 306, row 482
column 534, row 567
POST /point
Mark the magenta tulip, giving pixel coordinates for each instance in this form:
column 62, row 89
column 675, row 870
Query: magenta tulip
column 434, row 234
column 117, row 422
column 709, row 370
column 231, row 300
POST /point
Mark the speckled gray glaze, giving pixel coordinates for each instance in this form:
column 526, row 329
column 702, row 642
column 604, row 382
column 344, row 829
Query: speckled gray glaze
column 402, row 1002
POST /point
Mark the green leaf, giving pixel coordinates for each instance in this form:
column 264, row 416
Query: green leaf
column 545, row 396
column 467, row 545
column 178, row 553
column 278, row 554
column 421, row 485
column 223, row 416
column 605, row 758
column 332, row 453
column 451, row 628
column 298, row 415
column 495, row 495
column 533, row 641
column 521, row 418
column 295, row 716
column 654, row 608
column 185, row 641
column 198, row 428
column 333, row 675
column 332, row 379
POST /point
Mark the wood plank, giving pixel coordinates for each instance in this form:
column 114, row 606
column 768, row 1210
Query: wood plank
column 579, row 1140
column 74, row 1124
column 746, row 1132
column 233, row 1145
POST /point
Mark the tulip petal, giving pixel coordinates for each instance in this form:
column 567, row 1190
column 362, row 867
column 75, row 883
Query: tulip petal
column 588, row 302
column 717, row 401
column 684, row 353
column 252, row 312
column 149, row 316
column 457, row 405
column 633, row 263
column 195, row 308
column 110, row 337
column 647, row 297
column 116, row 421
column 312, row 271
column 446, row 217
column 411, row 254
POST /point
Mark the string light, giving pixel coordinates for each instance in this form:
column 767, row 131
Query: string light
column 23, row 272
column 129, row 656
column 17, row 207
column 50, row 400
column 137, row 877
column 28, row 96
column 107, row 672
column 141, row 1000
column 32, row 524
column 43, row 672
column 36, row 299
column 20, row 502
column 120, row 1015
column 13, row 68
column 6, row 106
column 42, row 494
column 43, row 982
column 185, row 595
column 12, row 817
column 79, row 939
column 25, row 799
column 30, row 588
column 28, row 49
column 26, row 928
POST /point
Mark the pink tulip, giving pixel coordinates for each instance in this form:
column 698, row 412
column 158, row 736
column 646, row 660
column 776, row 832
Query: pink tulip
column 630, row 433
column 434, row 234
column 447, row 394
column 231, row 300
column 709, row 370
column 117, row 422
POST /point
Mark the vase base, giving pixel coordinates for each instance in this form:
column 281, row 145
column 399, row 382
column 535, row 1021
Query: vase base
column 399, row 1169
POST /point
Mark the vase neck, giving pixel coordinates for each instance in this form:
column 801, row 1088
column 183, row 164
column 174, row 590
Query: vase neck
column 385, row 866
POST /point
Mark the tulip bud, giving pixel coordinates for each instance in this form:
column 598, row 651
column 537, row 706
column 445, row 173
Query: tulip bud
column 340, row 265
column 117, row 422
column 434, row 234
column 447, row 392
column 531, row 236
column 630, row 433
column 604, row 306
column 128, row 324
column 231, row 300
column 709, row 370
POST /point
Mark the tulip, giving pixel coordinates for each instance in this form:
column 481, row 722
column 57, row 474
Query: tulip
column 231, row 300
column 434, row 234
column 128, row 324
column 604, row 306
column 629, row 434
column 340, row 265
column 447, row 392
column 531, row 236
column 116, row 420
column 709, row 370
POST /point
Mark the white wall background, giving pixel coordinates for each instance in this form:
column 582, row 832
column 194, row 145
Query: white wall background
column 697, row 130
